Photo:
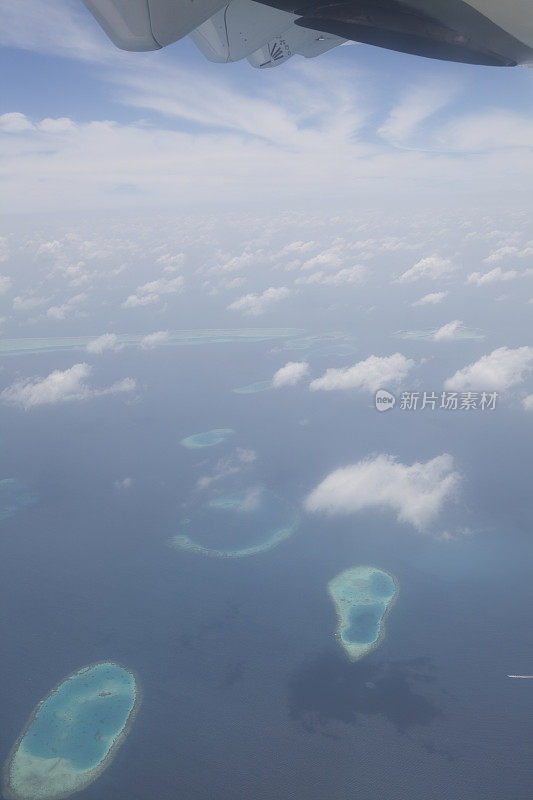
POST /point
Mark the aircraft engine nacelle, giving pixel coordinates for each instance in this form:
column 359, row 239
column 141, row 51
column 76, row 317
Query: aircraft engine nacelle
column 150, row 24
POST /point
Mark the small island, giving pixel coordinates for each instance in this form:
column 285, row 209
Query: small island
column 363, row 597
column 74, row 734
column 207, row 438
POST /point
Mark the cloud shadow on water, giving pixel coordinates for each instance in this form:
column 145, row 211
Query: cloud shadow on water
column 332, row 689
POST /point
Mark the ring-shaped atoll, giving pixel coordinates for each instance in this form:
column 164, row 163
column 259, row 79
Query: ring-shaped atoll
column 239, row 525
column 74, row 734
column 363, row 597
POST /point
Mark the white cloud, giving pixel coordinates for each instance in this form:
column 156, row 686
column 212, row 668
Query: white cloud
column 152, row 291
column 27, row 303
column 255, row 304
column 15, row 122
column 124, row 483
column 328, row 259
column 496, row 274
column 228, row 466
column 498, row 371
column 500, row 253
column 5, row 283
column 448, row 331
column 431, row 299
column 66, row 309
column 107, row 341
column 58, row 387
column 415, row 492
column 353, row 274
column 290, row 374
column 205, row 136
column 488, row 130
column 527, row 402
column 417, row 105
column 373, row 373
column 151, row 340
column 430, row 267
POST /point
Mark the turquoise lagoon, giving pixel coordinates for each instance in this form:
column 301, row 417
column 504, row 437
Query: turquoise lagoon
column 207, row 438
column 14, row 496
column 73, row 734
column 238, row 525
column 363, row 596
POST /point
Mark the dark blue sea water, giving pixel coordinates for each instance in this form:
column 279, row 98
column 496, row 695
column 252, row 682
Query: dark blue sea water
column 246, row 692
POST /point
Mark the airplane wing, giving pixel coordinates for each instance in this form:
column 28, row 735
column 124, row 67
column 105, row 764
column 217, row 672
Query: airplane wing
column 267, row 33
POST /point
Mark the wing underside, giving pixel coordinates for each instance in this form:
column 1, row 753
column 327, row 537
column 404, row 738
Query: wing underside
column 267, row 33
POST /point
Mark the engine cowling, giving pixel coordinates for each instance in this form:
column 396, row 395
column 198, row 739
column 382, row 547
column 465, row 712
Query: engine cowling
column 150, row 24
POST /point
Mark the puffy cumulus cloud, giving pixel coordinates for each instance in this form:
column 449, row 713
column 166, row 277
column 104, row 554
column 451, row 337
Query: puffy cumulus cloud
column 15, row 122
column 329, row 259
column 430, row 299
column 152, row 340
column 290, row 374
column 255, row 304
column 171, row 263
column 67, row 309
column 498, row 371
column 355, row 274
column 242, row 261
column 373, row 373
column 432, row 267
column 501, row 253
column 496, row 274
column 5, row 283
column 298, row 248
column 415, row 492
column 60, row 386
column 107, row 341
column 152, row 291
column 448, row 331
column 527, row 402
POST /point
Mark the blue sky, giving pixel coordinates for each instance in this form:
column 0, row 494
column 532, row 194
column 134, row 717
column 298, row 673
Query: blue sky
column 89, row 127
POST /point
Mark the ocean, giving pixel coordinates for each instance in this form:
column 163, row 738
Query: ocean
column 246, row 691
